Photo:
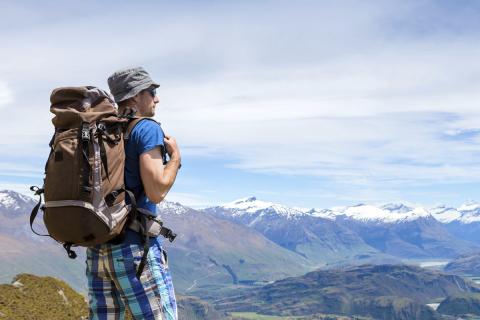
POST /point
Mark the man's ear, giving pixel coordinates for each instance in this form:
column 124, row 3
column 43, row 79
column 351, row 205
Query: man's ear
column 135, row 98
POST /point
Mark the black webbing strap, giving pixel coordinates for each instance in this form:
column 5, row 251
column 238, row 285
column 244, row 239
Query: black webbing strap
column 103, row 154
column 143, row 231
column 38, row 192
column 86, row 156
column 112, row 196
column 146, row 244
column 133, row 204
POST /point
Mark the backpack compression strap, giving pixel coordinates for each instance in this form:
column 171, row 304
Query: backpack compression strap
column 38, row 192
column 145, row 239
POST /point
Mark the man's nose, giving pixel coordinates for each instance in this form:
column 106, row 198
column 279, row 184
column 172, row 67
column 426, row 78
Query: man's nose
column 156, row 100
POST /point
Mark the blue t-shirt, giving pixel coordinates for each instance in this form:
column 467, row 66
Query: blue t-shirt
column 147, row 135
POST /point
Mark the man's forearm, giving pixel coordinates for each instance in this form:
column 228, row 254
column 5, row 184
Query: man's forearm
column 170, row 171
column 170, row 174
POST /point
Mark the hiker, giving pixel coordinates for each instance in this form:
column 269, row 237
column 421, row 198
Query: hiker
column 111, row 267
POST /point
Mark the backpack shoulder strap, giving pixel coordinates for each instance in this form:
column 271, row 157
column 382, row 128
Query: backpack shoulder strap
column 132, row 124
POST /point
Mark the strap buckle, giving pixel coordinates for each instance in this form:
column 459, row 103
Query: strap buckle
column 37, row 191
column 169, row 234
column 101, row 126
column 70, row 252
column 85, row 132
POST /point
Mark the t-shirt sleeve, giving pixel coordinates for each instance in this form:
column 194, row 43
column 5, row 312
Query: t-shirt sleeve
column 147, row 135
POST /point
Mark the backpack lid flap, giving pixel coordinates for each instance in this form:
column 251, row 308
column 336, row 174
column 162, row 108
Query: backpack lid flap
column 74, row 105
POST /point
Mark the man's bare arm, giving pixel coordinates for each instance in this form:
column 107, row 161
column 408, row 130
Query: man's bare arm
column 157, row 178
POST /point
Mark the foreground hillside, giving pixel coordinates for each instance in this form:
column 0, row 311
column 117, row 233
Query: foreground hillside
column 31, row 297
column 367, row 293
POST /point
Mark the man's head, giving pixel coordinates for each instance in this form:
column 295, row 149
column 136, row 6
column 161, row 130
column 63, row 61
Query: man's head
column 133, row 87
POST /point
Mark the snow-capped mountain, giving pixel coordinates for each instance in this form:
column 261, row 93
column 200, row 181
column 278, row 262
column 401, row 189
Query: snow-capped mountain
column 445, row 214
column 319, row 213
column 465, row 214
column 13, row 203
column 313, row 234
column 470, row 213
column 389, row 213
column 15, row 210
column 168, row 207
column 463, row 222
column 393, row 228
column 252, row 208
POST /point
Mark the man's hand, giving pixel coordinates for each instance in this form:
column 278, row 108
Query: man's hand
column 172, row 147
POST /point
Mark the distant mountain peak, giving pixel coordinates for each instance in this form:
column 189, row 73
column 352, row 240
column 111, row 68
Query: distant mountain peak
column 470, row 206
column 171, row 207
column 243, row 200
column 253, row 206
column 319, row 213
column 396, row 207
column 12, row 200
column 466, row 213
column 390, row 213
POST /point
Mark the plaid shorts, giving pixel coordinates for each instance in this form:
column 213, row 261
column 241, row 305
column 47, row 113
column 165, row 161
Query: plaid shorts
column 112, row 283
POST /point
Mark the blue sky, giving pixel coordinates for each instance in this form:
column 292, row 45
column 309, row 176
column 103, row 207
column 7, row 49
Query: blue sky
column 306, row 103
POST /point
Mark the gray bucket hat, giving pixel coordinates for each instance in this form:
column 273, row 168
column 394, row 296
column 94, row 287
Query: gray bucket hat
column 126, row 83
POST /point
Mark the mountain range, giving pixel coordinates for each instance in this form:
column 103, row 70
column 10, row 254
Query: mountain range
column 361, row 231
column 250, row 242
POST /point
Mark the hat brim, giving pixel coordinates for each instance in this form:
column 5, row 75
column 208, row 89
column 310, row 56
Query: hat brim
column 133, row 92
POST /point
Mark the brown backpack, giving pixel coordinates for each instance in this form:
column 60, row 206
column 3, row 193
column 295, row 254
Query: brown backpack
column 84, row 184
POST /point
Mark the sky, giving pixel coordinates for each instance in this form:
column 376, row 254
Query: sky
column 304, row 103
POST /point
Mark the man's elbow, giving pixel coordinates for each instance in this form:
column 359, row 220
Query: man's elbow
column 156, row 197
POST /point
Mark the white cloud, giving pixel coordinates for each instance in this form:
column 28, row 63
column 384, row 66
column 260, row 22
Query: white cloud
column 352, row 92
column 6, row 95
column 21, row 169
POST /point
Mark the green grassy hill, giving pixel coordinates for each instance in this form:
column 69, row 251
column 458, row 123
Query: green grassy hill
column 31, row 297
